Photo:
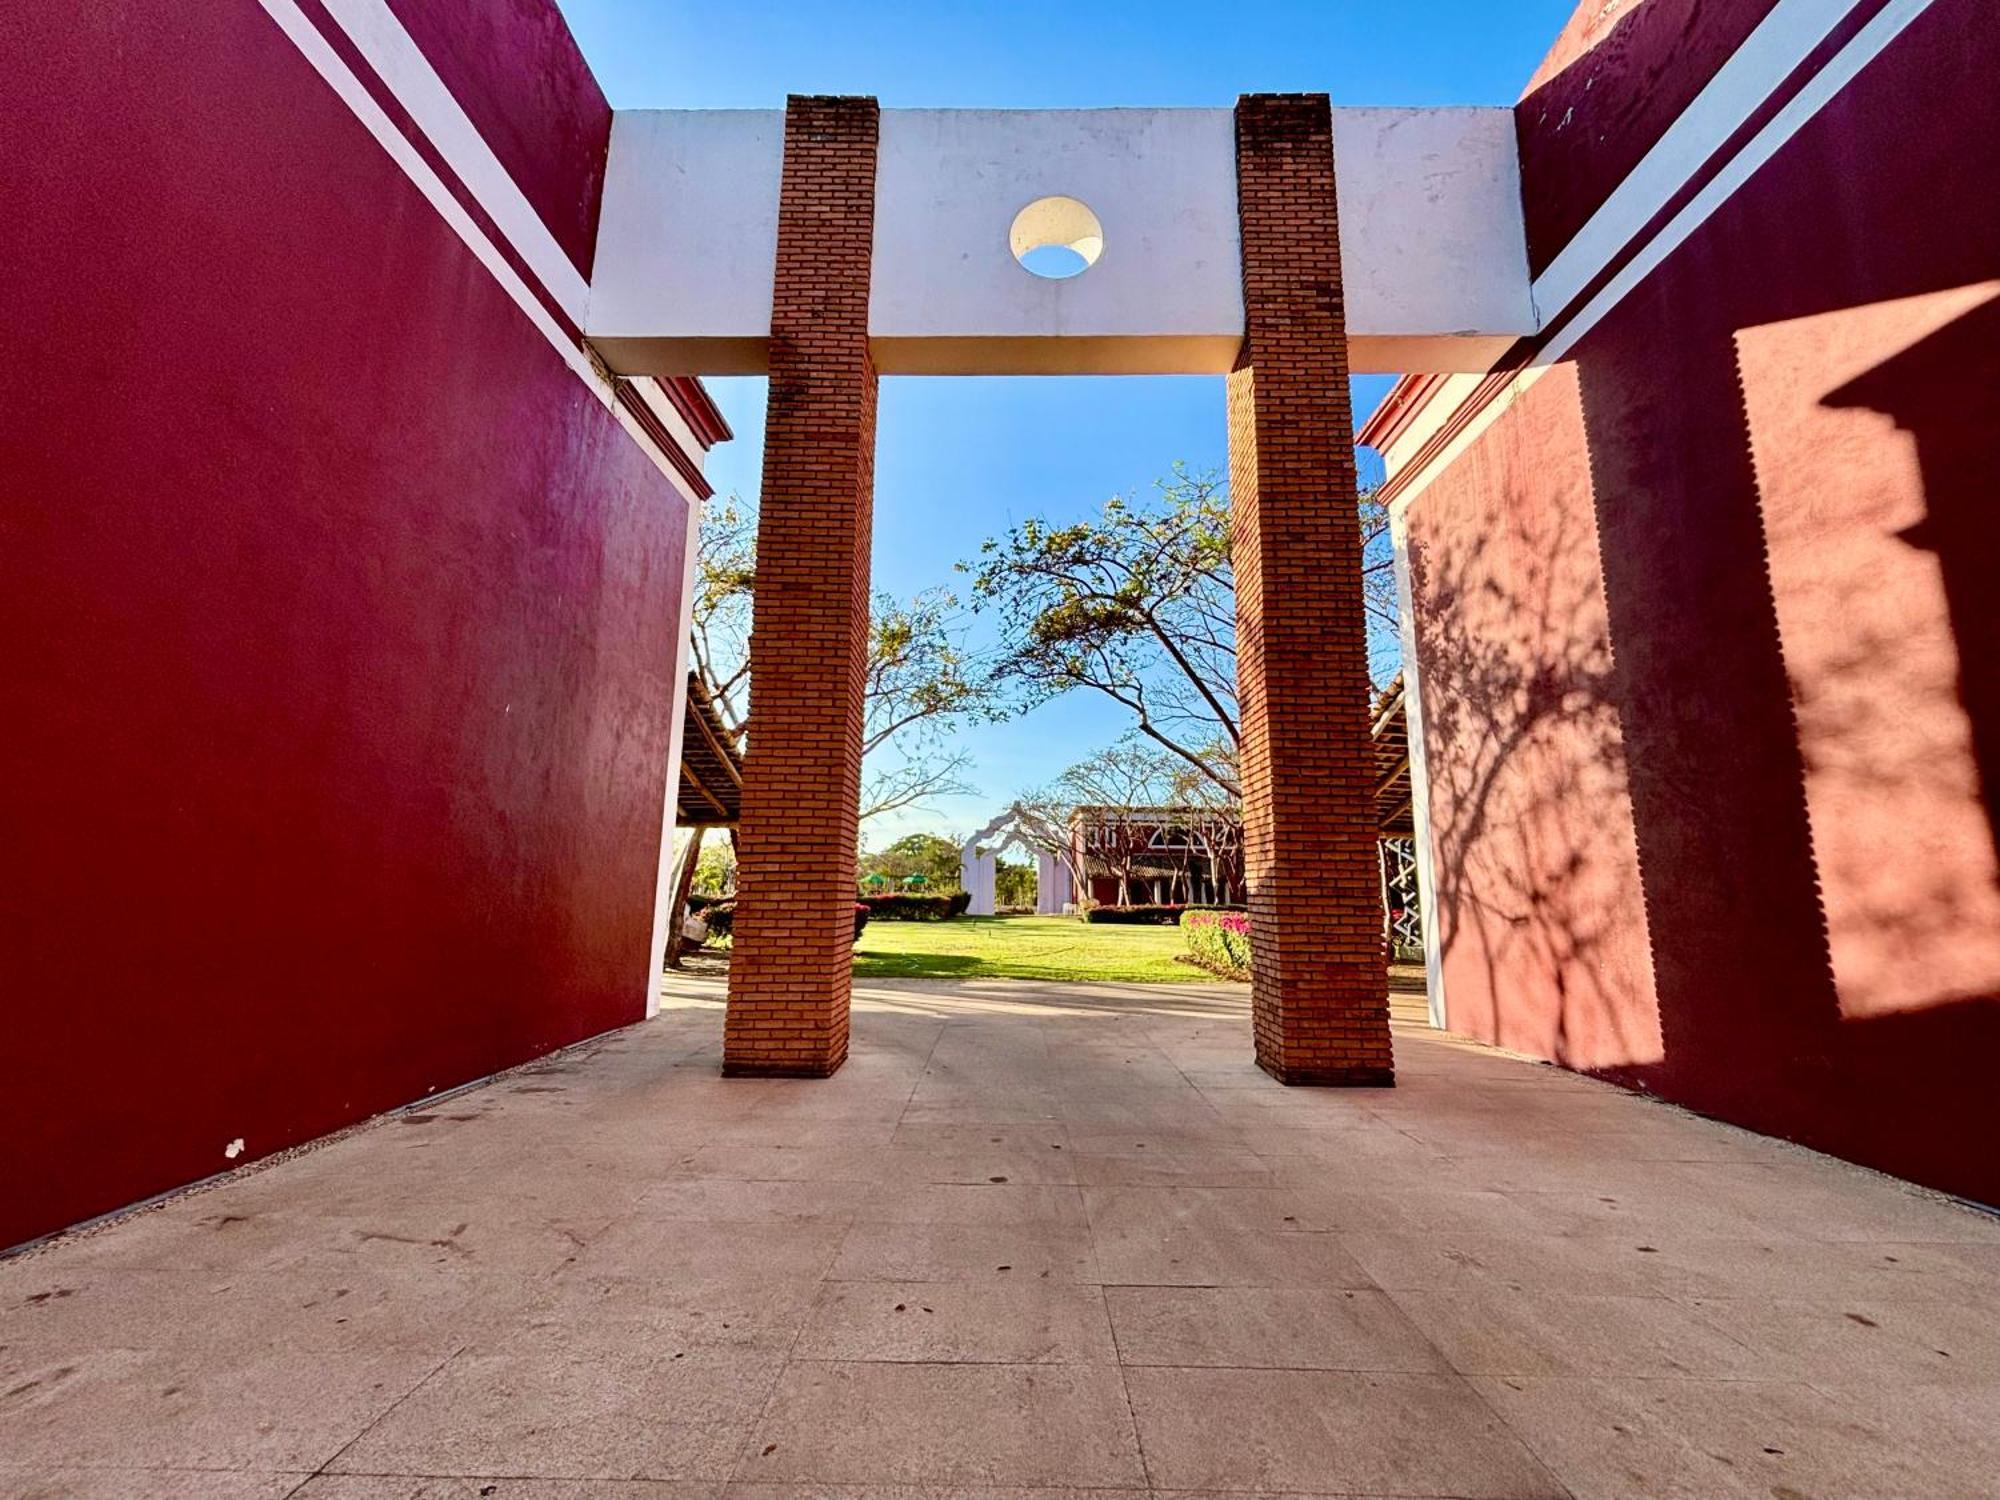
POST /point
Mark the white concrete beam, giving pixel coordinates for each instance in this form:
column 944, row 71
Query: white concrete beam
column 1431, row 239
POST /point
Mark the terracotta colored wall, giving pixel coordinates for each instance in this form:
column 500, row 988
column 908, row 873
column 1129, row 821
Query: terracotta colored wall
column 1541, row 922
column 339, row 620
column 1786, row 701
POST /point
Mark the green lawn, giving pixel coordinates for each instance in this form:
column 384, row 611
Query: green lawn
column 1049, row 948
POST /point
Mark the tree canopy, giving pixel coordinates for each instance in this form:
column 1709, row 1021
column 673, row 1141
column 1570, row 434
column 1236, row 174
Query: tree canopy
column 1138, row 603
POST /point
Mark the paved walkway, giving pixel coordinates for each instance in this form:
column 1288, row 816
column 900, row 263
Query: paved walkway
column 1027, row 1239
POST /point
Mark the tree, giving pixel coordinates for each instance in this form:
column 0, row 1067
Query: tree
column 1113, row 789
column 715, row 869
column 931, row 855
column 1138, row 603
column 920, row 675
column 920, row 682
column 1013, row 883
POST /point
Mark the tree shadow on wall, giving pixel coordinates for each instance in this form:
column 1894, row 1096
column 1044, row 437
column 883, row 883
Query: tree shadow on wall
column 1524, row 765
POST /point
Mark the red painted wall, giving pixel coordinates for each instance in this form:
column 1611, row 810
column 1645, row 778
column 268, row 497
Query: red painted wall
column 1745, row 856
column 515, row 70
column 339, row 619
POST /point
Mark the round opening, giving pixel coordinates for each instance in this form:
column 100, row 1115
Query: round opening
column 1056, row 238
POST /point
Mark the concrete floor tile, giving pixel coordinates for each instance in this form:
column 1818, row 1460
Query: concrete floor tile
column 1015, row 1107
column 1187, row 1166
column 308, row 1308
column 493, row 1487
column 1402, row 1208
column 946, row 1424
column 144, row 1408
column 1910, row 1341
column 980, row 1203
column 782, row 1163
column 598, row 1268
column 1496, row 1330
column 1267, row 1328
column 822, row 1491
column 1329, row 1432
column 971, row 1164
column 695, row 1251
column 1038, row 1135
column 966, row 1252
column 596, row 1416
column 1691, row 1440
column 147, row 1484
column 660, row 1316
column 723, row 1200
column 984, row 1322
column 1212, row 1237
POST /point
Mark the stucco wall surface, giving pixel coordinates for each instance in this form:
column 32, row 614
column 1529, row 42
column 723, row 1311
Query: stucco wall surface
column 340, row 618
column 1739, row 843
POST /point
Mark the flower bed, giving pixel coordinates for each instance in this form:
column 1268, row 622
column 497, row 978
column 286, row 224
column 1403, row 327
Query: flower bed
column 1218, row 941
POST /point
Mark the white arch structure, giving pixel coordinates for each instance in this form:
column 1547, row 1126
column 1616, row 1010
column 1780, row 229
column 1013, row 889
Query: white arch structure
column 979, row 864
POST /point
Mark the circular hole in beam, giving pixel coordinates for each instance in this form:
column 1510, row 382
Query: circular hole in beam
column 1056, row 238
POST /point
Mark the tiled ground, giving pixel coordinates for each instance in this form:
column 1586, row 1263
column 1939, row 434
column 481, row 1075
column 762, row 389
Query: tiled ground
column 1027, row 1240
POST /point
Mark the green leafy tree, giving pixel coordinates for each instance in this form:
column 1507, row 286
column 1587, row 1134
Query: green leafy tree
column 934, row 856
column 1138, row 603
column 921, row 679
column 1013, row 883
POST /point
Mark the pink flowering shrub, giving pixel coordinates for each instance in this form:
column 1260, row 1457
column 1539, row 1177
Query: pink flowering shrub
column 1218, row 940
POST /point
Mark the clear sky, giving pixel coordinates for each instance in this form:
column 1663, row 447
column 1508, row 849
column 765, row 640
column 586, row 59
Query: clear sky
column 958, row 460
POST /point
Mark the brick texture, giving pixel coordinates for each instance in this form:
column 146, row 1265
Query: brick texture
column 1319, row 991
column 789, row 973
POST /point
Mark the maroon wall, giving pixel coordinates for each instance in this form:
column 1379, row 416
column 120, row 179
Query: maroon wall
column 515, row 70
column 339, row 619
column 1734, row 841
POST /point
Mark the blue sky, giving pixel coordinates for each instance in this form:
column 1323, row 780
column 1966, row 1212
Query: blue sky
column 959, row 460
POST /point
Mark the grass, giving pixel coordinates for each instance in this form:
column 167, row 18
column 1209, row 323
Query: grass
column 1045, row 948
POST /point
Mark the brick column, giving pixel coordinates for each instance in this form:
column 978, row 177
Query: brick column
column 1319, row 988
column 794, row 931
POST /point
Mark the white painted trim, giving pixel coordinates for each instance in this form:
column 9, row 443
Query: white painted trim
column 663, row 887
column 327, row 63
column 401, row 64
column 1842, row 69
column 1782, row 41
column 1420, row 786
column 1450, row 394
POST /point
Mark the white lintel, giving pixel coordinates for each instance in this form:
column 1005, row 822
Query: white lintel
column 1432, row 246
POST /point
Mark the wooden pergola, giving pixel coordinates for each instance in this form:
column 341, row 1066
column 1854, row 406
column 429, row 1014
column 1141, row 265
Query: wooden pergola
column 711, row 779
column 1393, row 791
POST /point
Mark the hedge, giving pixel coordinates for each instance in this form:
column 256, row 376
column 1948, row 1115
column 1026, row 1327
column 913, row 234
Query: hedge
column 908, row 908
column 721, row 918
column 1219, row 941
column 1135, row 916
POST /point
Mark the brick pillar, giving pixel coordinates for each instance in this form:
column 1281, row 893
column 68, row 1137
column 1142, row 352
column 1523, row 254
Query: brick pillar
column 794, row 931
column 1319, row 987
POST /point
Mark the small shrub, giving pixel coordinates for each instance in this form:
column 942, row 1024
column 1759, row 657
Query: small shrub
column 908, row 908
column 721, row 918
column 1218, row 941
column 1135, row 916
